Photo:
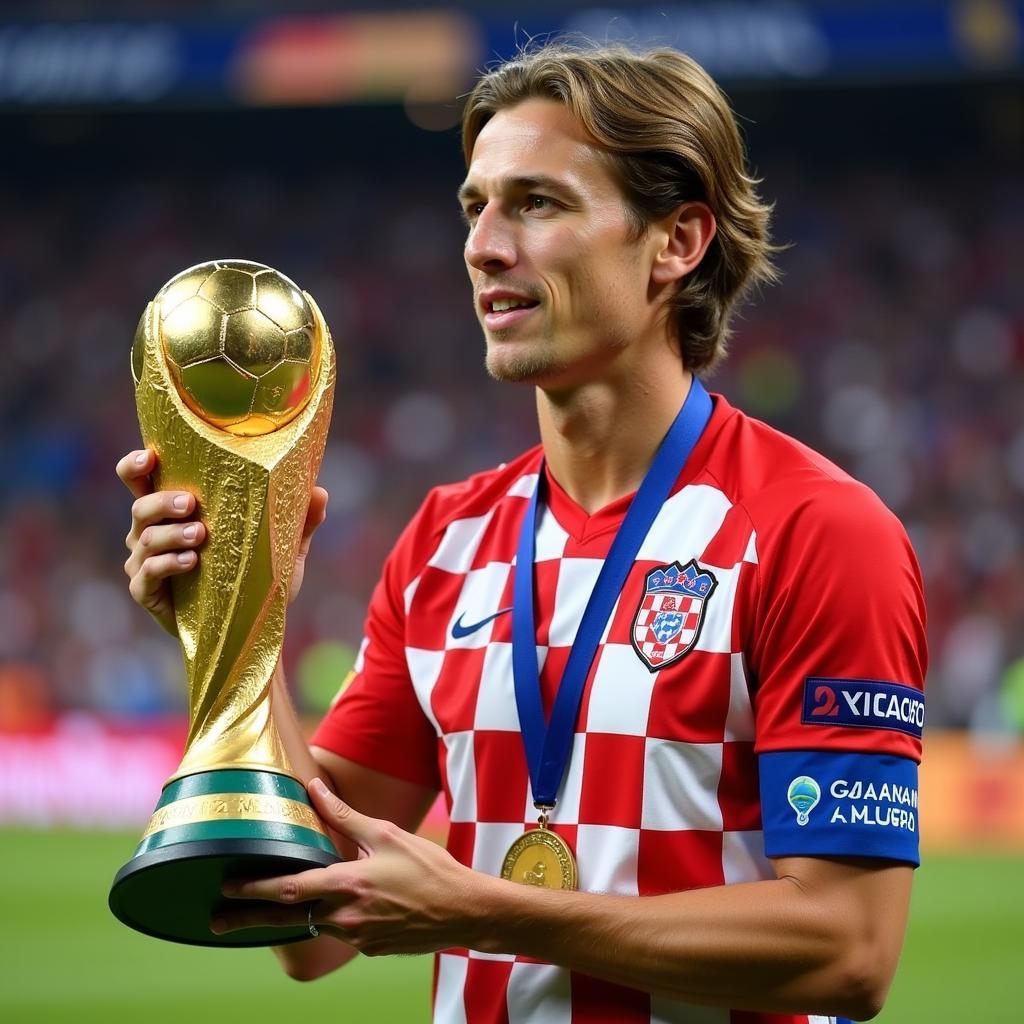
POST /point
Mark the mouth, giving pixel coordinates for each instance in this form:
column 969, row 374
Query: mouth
column 506, row 310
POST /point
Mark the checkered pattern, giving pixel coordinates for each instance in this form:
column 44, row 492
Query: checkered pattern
column 661, row 791
column 666, row 625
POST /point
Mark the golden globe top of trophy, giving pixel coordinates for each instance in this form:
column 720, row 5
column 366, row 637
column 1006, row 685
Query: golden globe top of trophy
column 234, row 378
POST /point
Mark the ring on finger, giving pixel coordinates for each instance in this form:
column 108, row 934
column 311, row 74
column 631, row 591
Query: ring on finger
column 313, row 930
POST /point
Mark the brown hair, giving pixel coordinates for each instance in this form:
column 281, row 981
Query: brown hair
column 672, row 138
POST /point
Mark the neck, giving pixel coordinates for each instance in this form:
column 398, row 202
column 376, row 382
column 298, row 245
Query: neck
column 600, row 439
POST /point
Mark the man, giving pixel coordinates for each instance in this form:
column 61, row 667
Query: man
column 722, row 738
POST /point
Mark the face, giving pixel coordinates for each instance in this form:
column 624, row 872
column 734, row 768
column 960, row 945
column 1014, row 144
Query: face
column 560, row 286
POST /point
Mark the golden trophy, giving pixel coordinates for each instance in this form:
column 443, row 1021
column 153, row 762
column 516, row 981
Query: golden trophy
column 234, row 379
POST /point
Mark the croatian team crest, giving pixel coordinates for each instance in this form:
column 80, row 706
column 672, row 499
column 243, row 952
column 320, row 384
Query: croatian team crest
column 671, row 612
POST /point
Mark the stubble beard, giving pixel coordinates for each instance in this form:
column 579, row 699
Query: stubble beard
column 527, row 368
column 531, row 365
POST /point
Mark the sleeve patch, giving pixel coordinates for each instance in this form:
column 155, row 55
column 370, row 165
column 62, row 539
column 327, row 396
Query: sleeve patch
column 863, row 704
column 843, row 804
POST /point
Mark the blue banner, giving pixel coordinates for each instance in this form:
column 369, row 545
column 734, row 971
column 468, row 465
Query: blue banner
column 369, row 56
column 863, row 704
column 818, row 802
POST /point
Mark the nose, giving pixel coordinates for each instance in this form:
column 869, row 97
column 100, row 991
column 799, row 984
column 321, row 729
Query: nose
column 490, row 245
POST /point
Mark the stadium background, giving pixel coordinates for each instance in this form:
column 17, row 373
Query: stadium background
column 891, row 138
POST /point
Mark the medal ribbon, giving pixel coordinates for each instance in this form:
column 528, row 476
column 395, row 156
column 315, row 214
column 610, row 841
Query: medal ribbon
column 548, row 743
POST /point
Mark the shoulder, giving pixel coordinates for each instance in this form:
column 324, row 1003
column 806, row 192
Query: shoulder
column 787, row 489
column 465, row 501
column 480, row 493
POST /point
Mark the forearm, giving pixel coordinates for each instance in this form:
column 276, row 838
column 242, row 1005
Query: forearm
column 292, row 734
column 307, row 961
column 774, row 946
column 304, row 961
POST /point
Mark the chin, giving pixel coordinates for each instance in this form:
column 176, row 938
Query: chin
column 521, row 367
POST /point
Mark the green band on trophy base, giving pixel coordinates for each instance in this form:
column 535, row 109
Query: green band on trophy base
column 199, row 836
column 232, row 781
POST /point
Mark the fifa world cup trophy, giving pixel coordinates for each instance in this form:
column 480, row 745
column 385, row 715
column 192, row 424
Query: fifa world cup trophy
column 234, row 379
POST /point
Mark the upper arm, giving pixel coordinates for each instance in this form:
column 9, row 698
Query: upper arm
column 839, row 597
column 377, row 723
column 838, row 656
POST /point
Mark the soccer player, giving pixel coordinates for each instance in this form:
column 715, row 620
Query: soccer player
column 670, row 658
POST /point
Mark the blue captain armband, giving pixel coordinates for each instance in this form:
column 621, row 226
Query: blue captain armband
column 820, row 803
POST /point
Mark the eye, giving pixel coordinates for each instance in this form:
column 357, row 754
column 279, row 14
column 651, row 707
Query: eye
column 535, row 202
column 471, row 211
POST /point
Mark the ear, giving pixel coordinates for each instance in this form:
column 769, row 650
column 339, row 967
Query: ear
column 684, row 237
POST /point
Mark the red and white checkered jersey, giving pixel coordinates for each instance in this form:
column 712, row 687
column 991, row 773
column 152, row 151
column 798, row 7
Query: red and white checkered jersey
column 816, row 591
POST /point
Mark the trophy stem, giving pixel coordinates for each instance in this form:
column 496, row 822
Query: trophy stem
column 256, row 749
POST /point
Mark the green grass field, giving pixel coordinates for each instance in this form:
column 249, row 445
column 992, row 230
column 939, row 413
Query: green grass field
column 63, row 957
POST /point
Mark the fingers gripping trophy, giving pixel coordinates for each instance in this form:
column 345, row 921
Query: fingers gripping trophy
column 234, row 379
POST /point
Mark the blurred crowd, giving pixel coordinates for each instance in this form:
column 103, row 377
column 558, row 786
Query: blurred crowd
column 894, row 345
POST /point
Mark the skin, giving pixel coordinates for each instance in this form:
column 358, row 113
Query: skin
column 824, row 936
column 607, row 369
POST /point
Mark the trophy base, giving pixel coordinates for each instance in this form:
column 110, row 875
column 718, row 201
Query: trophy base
column 208, row 828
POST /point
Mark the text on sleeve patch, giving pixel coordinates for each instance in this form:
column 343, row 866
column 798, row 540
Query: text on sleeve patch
column 863, row 704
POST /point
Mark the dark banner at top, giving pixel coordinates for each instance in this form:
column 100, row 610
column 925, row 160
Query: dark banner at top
column 427, row 56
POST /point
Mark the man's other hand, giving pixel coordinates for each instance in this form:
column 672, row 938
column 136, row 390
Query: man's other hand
column 403, row 894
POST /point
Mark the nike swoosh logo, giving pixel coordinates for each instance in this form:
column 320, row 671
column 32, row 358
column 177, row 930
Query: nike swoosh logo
column 459, row 630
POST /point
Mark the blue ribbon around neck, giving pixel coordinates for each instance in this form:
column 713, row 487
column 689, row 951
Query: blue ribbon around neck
column 548, row 743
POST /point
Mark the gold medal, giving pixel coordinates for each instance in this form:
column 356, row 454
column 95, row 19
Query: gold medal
column 540, row 857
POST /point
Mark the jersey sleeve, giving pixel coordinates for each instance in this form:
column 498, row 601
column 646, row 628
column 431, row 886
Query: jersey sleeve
column 838, row 657
column 377, row 720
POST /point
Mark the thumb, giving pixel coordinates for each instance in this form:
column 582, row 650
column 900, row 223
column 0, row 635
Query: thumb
column 316, row 511
column 361, row 828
